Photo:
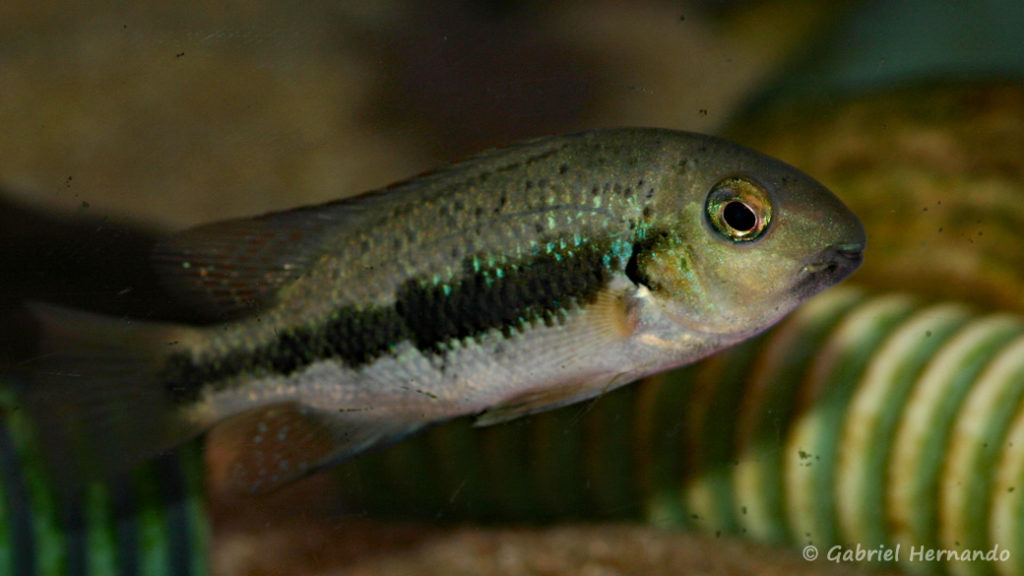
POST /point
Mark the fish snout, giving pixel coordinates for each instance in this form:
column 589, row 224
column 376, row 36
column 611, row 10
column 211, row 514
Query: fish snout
column 845, row 257
column 832, row 265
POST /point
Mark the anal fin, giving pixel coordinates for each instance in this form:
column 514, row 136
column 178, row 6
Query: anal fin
column 266, row 448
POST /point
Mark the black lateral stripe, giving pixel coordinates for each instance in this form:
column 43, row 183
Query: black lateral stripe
column 534, row 290
column 356, row 336
column 425, row 313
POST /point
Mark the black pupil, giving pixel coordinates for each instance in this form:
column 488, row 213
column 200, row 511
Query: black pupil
column 739, row 216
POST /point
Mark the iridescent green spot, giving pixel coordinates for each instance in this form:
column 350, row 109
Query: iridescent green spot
column 431, row 314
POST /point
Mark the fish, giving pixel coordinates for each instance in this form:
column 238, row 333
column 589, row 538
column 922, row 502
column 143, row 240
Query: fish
column 523, row 279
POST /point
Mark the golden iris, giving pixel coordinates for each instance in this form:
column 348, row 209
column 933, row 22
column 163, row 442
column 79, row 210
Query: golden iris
column 739, row 209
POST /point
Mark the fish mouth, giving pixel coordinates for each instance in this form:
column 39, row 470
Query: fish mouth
column 831, row 266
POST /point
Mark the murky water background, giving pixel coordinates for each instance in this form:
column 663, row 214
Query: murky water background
column 123, row 122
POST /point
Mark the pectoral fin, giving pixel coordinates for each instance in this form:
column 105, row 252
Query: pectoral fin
column 536, row 401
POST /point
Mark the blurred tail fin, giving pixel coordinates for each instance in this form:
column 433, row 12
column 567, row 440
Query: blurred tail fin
column 95, row 394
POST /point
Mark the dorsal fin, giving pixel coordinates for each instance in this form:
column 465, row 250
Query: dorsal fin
column 227, row 269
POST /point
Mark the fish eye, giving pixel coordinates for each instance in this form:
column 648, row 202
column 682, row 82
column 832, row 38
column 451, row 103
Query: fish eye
column 739, row 209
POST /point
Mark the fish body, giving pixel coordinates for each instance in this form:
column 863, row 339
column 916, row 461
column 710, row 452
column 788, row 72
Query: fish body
column 520, row 280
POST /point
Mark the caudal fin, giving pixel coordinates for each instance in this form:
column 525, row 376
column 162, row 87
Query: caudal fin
column 95, row 396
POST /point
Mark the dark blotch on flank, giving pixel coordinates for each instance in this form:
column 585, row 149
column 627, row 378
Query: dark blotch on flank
column 536, row 289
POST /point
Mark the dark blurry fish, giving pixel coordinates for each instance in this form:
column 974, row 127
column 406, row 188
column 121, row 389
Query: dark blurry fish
column 521, row 280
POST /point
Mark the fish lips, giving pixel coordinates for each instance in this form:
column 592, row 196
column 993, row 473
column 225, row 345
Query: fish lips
column 831, row 266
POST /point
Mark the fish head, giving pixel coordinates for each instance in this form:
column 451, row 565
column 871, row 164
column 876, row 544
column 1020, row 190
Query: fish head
column 740, row 239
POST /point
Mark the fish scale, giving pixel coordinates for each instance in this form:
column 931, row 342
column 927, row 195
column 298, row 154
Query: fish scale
column 906, row 417
column 517, row 281
column 429, row 316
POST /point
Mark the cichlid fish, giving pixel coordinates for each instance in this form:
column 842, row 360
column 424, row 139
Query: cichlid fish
column 518, row 281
